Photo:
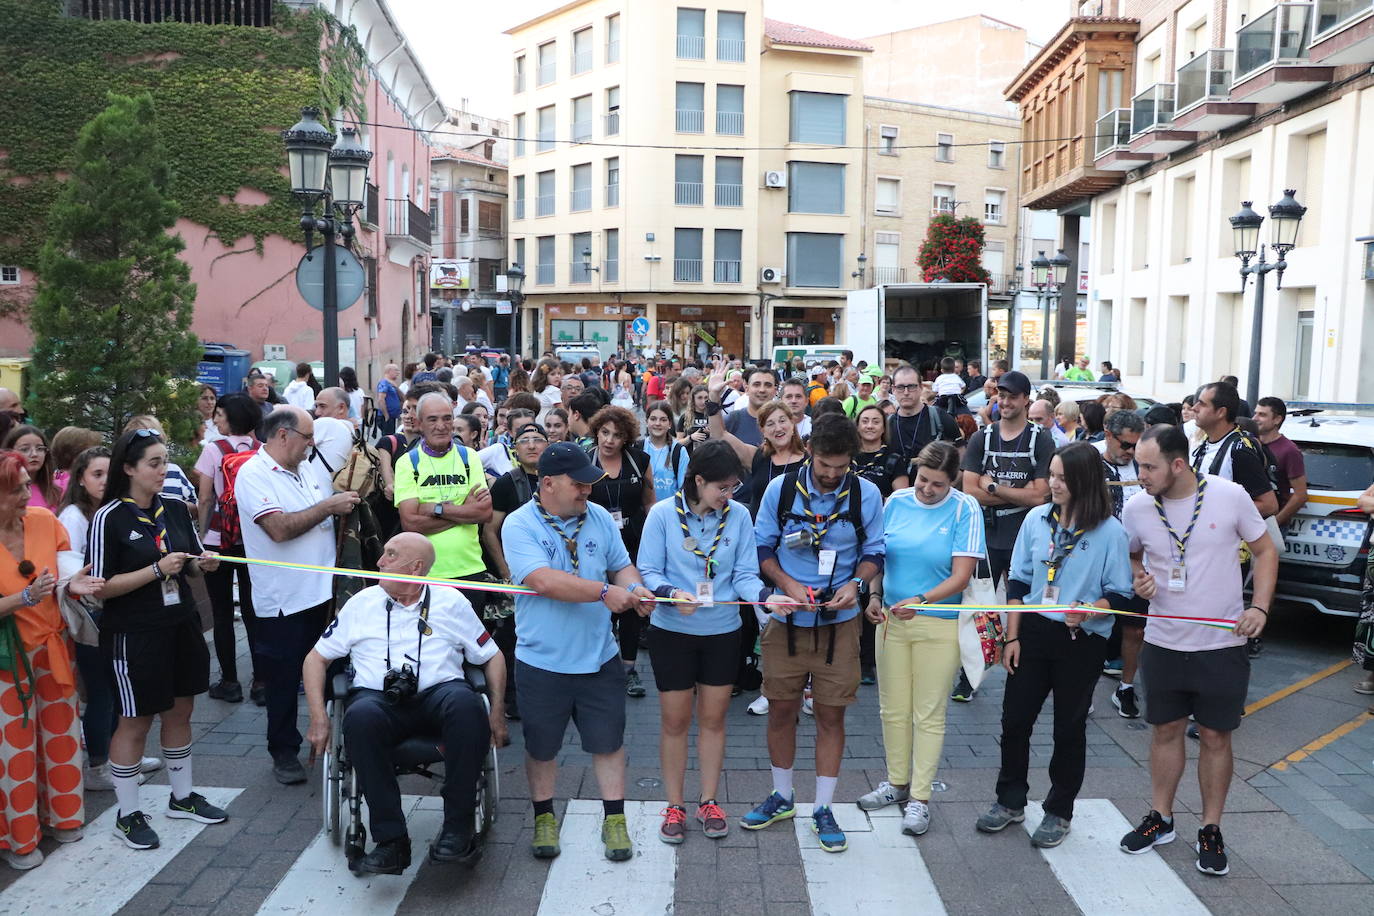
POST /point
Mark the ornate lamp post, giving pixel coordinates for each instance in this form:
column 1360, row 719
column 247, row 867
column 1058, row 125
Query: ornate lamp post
column 1286, row 218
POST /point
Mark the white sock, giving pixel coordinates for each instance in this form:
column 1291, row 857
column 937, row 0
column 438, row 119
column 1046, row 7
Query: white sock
column 1125, row 685
column 178, row 769
column 782, row 781
column 126, row 780
column 825, row 790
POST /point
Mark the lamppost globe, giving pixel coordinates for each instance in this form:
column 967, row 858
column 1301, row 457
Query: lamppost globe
column 515, row 278
column 1040, row 270
column 1245, row 228
column 1286, row 216
column 1060, row 263
column 348, row 161
column 308, row 143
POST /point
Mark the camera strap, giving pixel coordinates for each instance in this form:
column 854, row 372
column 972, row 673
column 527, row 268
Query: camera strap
column 422, row 626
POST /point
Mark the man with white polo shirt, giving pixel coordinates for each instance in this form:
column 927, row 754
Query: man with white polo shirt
column 333, row 430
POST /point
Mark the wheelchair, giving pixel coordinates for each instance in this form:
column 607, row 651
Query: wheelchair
column 342, row 798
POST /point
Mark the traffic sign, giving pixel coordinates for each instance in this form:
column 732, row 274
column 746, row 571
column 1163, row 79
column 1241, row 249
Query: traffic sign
column 310, row 277
column 640, row 326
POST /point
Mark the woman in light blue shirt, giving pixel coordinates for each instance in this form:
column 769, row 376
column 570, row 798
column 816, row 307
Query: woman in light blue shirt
column 698, row 547
column 667, row 456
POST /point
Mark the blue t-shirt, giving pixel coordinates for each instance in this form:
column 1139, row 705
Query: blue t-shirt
column 801, row 562
column 555, row 635
column 1099, row 565
column 664, row 560
column 391, row 396
column 923, row 542
column 666, row 480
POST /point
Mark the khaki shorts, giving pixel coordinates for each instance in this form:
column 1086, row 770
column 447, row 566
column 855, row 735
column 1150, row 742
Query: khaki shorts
column 785, row 676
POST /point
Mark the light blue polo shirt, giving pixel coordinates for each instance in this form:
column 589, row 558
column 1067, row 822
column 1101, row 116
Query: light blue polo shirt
column 922, row 542
column 666, row 481
column 664, row 560
column 1100, row 564
column 556, row 635
column 800, row 562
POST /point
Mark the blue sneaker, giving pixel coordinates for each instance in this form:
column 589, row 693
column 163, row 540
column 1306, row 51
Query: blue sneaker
column 774, row 808
column 827, row 830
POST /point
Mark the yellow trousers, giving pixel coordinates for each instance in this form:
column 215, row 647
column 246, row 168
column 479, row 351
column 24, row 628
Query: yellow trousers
column 917, row 661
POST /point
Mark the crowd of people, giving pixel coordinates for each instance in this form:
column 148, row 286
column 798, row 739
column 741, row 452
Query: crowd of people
column 797, row 530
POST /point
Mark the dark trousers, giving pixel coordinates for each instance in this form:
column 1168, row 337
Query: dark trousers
column 999, row 563
column 372, row 728
column 99, row 719
column 220, row 585
column 1050, row 661
column 283, row 643
column 628, row 627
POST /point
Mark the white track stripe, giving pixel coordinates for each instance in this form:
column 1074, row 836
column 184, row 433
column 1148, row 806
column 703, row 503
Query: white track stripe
column 1101, row 878
column 99, row 874
column 880, row 873
column 583, row 881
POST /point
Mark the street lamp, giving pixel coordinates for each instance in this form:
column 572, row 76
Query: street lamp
column 863, row 262
column 515, row 281
column 1047, row 276
column 1286, row 217
column 587, row 261
column 333, row 172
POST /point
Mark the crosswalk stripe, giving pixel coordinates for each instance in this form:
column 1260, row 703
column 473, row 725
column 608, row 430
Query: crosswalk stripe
column 582, row 880
column 319, row 881
column 1101, row 878
column 99, row 874
column 881, row 871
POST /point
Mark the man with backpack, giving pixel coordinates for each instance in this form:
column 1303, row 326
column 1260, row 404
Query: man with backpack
column 916, row 425
column 862, row 398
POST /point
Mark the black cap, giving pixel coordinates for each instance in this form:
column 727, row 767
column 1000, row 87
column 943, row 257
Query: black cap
column 528, row 425
column 1015, row 382
column 567, row 458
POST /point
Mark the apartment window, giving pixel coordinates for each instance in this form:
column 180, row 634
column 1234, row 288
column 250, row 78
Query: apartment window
column 548, row 63
column 610, row 270
column 729, row 248
column 488, row 219
column 613, row 111
column 519, row 196
column 944, row 147
column 582, row 119
column 691, row 108
column 942, row 198
column 520, row 73
column 687, row 180
column 729, row 181
column 613, row 181
column 730, row 36
column 814, row 259
column 817, row 117
column 581, row 198
column 994, row 262
column 547, row 126
column 888, row 198
column 580, row 257
column 997, row 154
column 994, row 206
column 691, row 34
column 544, row 270
column 687, row 255
column 544, row 201
column 582, row 51
column 520, row 254
column 9, row 275
column 613, row 39
column 730, row 110
column 815, row 187
column 887, row 258
column 464, row 219
column 519, row 139
column 887, row 141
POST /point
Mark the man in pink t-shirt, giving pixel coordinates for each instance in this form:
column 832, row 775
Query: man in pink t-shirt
column 1185, row 533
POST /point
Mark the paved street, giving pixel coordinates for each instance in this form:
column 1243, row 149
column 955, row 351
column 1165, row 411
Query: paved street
column 1298, row 826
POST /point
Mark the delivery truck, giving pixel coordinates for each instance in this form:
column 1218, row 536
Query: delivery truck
column 917, row 323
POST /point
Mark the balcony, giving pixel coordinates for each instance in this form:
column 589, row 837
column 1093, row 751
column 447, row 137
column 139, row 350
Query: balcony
column 407, row 230
column 543, row 275
column 686, row 270
column 1112, row 143
column 1344, row 33
column 613, row 124
column 580, row 199
column 884, row 275
column 544, row 205
column 727, row 271
column 730, row 123
column 690, row 122
column 687, row 193
column 1203, row 99
column 1152, row 119
column 729, row 195
column 1272, row 57
column 581, row 62
column 730, row 49
column 691, row 47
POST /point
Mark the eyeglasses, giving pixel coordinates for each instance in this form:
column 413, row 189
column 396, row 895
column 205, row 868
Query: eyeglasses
column 1128, row 446
column 34, row 449
column 905, row 387
column 306, row 436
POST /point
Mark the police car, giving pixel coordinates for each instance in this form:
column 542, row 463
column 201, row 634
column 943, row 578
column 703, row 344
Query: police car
column 1326, row 546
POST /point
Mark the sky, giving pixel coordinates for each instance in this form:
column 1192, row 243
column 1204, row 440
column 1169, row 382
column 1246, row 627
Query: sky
column 460, row 45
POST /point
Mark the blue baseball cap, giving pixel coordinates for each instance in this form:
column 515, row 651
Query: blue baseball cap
column 566, row 458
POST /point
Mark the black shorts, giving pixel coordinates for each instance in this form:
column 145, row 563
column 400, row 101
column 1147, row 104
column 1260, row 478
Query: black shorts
column 1210, row 686
column 681, row 661
column 1140, row 606
column 151, row 668
column 594, row 702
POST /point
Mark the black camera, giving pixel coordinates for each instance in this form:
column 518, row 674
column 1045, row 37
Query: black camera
column 826, row 614
column 399, row 685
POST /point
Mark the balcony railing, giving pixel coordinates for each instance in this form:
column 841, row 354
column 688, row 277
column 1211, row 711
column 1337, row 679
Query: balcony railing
column 686, row 270
column 1153, row 108
column 610, row 270
column 1205, row 78
column 691, row 122
column 613, row 52
column 691, row 47
column 544, row 205
column 544, row 143
column 727, row 271
column 1281, row 35
column 1113, row 131
column 404, row 219
column 730, row 123
column 579, row 272
column 580, row 199
column 581, row 62
column 613, row 124
column 520, row 208
column 729, row 195
column 1333, row 14
column 687, row 193
column 889, row 275
column 582, row 131
column 730, row 49
column 543, row 274
column 612, row 195
column 546, row 74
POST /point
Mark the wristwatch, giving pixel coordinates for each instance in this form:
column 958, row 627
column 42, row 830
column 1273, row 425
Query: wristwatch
column 920, row 599
column 992, row 487
column 438, row 510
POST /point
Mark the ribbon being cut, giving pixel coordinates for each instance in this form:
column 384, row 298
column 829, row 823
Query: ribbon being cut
column 508, row 589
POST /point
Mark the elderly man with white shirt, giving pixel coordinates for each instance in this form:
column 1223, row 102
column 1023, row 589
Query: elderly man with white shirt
column 333, row 430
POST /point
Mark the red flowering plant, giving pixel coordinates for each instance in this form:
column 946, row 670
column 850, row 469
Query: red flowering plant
column 953, row 251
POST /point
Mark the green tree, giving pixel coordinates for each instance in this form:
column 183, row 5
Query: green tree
column 112, row 317
column 953, row 251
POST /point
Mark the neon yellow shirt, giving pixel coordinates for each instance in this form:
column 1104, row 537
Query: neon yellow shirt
column 457, row 550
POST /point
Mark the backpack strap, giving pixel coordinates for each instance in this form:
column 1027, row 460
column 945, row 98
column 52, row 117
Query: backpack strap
column 785, row 500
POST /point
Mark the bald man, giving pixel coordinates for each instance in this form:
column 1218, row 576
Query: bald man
column 333, row 430
column 379, row 629
column 9, row 403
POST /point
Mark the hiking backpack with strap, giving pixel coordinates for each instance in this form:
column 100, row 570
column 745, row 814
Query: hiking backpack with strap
column 853, row 512
column 224, row 518
column 1240, row 439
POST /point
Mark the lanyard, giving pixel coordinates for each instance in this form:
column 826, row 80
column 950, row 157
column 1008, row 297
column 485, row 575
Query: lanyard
column 1181, row 543
column 1060, row 548
column 422, row 625
column 691, row 543
column 155, row 526
column 569, row 542
column 820, row 524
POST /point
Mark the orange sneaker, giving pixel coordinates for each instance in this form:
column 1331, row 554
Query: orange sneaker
column 712, row 817
column 674, row 827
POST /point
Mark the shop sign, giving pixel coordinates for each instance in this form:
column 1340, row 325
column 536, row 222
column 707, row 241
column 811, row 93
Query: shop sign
column 448, row 273
column 691, row 311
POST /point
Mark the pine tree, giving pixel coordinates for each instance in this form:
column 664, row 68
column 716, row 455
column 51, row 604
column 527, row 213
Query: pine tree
column 953, row 251
column 112, row 316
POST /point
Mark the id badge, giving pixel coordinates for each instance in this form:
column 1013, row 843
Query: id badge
column 1178, row 578
column 826, row 562
column 171, row 593
column 1051, row 595
column 619, row 519
column 706, row 593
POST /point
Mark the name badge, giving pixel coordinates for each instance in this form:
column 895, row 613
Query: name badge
column 826, row 562
column 706, row 593
column 619, row 519
column 1051, row 595
column 1178, row 577
column 171, row 593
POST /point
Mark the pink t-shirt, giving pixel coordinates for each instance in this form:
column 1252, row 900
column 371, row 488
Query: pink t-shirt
column 1214, row 587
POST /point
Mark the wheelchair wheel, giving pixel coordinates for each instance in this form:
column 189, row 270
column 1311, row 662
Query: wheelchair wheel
column 333, row 790
column 488, row 794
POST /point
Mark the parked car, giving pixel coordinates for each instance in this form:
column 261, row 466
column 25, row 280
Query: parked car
column 1091, row 391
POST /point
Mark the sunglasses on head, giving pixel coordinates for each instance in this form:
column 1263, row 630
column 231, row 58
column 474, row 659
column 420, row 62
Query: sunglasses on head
column 147, row 434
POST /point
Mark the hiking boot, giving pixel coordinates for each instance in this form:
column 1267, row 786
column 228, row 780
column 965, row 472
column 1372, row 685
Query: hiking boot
column 615, row 835
column 1123, row 698
column 886, row 794
column 1051, row 832
column 998, row 817
column 1211, row 851
column 634, row 687
column 774, row 808
column 673, row 830
column 545, row 844
column 1153, row 831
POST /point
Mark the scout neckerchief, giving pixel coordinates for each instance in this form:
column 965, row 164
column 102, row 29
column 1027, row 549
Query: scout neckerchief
column 691, row 543
column 1180, row 544
column 568, row 541
column 1061, row 545
column 155, row 526
column 874, row 468
column 820, row 524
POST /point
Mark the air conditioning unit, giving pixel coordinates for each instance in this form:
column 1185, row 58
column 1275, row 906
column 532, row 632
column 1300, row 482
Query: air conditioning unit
column 770, row 275
column 775, row 179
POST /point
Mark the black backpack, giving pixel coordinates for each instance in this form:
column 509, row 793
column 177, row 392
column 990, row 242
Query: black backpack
column 853, row 512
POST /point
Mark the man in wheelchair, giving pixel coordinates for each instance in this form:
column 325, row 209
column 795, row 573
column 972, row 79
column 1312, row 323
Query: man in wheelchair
column 407, row 643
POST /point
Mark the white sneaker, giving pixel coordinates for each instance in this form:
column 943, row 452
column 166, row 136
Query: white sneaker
column 22, row 862
column 807, row 706
column 150, row 764
column 759, row 707
column 65, row 834
column 886, row 794
column 97, row 778
column 916, row 818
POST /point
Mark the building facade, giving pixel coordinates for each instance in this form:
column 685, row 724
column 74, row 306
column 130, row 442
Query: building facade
column 729, row 216
column 468, row 207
